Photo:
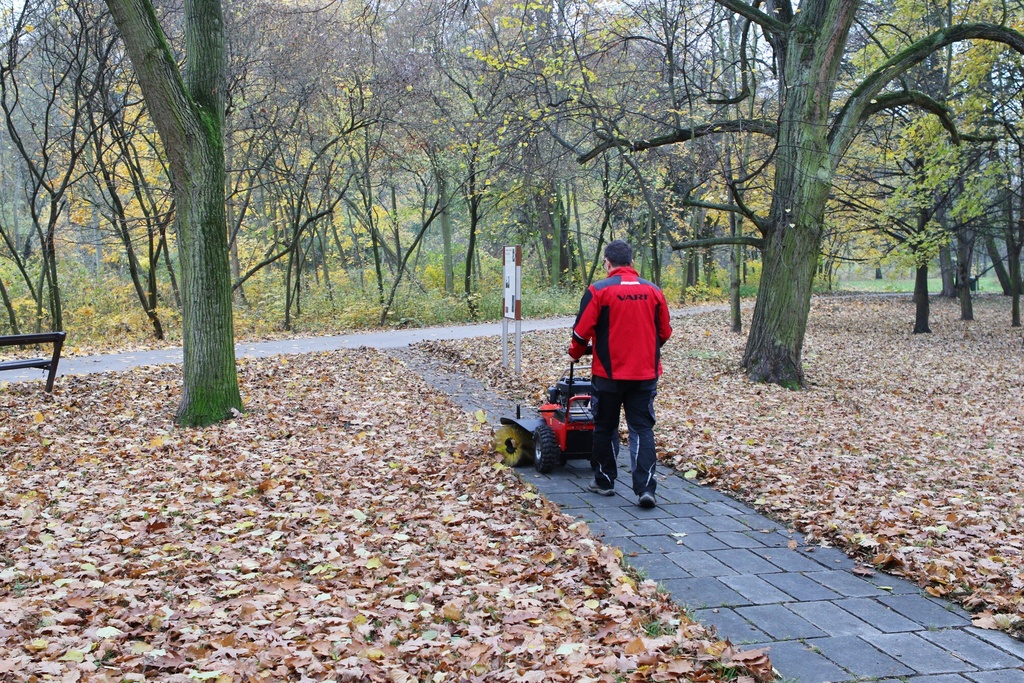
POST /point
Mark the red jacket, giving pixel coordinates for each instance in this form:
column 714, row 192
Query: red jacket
column 625, row 320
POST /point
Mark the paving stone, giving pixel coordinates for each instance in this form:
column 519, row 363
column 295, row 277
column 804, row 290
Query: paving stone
column 736, row 539
column 878, row 615
column 833, row 558
column 780, row 623
column 609, row 514
column 788, row 560
column 743, row 561
column 756, row 590
column 645, row 527
column 686, row 525
column 658, row 567
column 699, row 563
column 677, row 510
column 999, row 676
column 832, row 619
column 859, row 657
column 701, row 592
column 655, row 513
column 722, row 523
column 714, row 496
column 971, row 649
column 759, row 523
column 846, row 584
column 797, row 662
column 670, row 493
column 722, row 506
column 926, row 611
column 942, row 678
column 608, row 529
column 777, row 539
column 917, row 653
column 603, row 502
column 551, row 486
column 702, row 542
column 1001, row 640
column 628, row 545
column 657, row 544
column 567, row 501
column 894, row 585
column 731, row 625
column 800, row 587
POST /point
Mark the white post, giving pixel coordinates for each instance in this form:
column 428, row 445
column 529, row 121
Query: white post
column 512, row 267
column 504, row 342
column 519, row 352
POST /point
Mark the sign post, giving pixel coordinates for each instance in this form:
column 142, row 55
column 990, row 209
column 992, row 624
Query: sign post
column 512, row 268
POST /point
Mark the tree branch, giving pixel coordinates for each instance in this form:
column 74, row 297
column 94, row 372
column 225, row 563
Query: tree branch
column 867, row 93
column 756, row 242
column 915, row 98
column 765, row 21
column 683, row 135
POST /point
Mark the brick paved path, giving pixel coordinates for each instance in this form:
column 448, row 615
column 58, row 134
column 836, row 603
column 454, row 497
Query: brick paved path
column 734, row 569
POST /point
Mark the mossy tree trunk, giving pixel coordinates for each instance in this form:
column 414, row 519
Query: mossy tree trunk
column 812, row 48
column 188, row 110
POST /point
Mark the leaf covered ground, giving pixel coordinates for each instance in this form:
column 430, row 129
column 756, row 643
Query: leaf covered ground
column 352, row 525
column 905, row 450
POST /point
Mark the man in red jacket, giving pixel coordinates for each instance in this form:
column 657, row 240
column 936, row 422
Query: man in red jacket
column 623, row 321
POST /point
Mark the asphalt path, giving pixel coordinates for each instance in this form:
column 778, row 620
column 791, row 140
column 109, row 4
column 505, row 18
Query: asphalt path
column 383, row 339
column 380, row 339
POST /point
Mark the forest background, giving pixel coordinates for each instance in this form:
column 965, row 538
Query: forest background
column 379, row 156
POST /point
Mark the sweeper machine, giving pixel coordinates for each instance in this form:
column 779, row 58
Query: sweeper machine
column 564, row 430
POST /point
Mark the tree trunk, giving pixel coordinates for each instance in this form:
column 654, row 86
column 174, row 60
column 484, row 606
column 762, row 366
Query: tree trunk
column 579, row 237
column 775, row 342
column 922, row 311
column 10, row 308
column 189, row 116
column 964, row 253
column 803, row 178
column 1014, row 245
column 473, row 204
column 735, row 257
column 446, row 236
column 1014, row 263
column 997, row 265
column 49, row 252
column 554, row 204
column 948, row 273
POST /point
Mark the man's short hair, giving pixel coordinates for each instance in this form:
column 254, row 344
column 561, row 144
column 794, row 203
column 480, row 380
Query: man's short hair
column 618, row 253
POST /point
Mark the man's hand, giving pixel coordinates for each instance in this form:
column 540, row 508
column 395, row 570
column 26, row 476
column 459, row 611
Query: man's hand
column 580, row 349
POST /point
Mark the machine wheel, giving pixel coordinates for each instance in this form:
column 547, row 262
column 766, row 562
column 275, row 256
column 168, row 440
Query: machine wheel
column 546, row 453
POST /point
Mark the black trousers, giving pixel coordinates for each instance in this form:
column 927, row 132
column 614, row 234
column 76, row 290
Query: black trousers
column 637, row 398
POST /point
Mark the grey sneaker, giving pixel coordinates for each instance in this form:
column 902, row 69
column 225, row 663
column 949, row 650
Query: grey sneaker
column 647, row 500
column 594, row 487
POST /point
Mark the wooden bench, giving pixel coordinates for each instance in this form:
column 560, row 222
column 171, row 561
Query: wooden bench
column 50, row 364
